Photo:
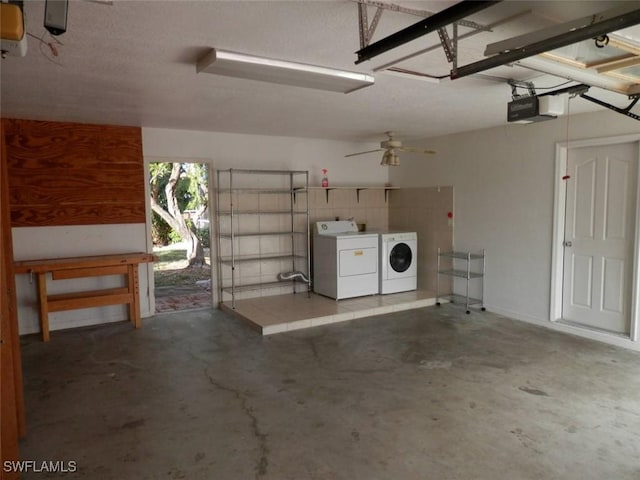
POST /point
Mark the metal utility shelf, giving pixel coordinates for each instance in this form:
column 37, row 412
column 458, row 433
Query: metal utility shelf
column 231, row 185
column 262, row 190
column 466, row 273
column 227, row 213
column 253, row 258
column 244, row 171
column 257, row 286
column 462, row 255
column 461, row 299
column 260, row 234
column 460, row 273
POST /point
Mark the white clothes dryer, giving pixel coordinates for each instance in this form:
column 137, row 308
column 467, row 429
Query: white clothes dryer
column 398, row 262
column 345, row 261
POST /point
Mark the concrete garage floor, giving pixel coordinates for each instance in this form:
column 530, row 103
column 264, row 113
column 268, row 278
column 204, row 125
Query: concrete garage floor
column 421, row 394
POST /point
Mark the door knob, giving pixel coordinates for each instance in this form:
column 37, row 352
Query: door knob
column 567, row 243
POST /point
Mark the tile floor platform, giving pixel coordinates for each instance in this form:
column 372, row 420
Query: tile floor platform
column 282, row 313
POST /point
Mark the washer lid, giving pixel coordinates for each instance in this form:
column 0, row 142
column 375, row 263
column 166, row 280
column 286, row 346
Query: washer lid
column 336, row 226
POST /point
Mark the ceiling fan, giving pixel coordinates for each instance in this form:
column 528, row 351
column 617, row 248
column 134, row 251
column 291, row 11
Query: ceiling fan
column 390, row 147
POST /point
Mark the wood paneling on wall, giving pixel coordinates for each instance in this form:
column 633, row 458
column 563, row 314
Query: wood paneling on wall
column 12, row 420
column 74, row 174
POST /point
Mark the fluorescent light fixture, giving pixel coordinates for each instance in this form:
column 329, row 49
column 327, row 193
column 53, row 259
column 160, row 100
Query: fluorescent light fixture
column 232, row 64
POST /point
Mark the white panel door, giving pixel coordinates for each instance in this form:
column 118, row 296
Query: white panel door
column 599, row 236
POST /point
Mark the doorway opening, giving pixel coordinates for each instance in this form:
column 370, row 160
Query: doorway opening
column 180, row 200
column 596, row 236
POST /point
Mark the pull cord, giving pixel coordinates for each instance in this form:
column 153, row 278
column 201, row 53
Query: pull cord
column 566, row 160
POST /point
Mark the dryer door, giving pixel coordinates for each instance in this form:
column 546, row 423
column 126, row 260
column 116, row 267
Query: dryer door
column 401, row 259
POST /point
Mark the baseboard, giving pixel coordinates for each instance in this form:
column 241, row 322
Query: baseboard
column 558, row 326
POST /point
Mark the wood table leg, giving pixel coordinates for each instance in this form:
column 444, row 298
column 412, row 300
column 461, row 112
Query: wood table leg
column 134, row 288
column 44, row 308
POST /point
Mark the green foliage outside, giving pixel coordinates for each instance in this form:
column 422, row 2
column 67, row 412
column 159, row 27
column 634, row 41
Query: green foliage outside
column 191, row 194
column 170, row 269
column 204, row 236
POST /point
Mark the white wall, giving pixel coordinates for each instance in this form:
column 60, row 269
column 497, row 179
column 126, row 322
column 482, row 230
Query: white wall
column 504, row 186
column 224, row 150
column 30, row 243
column 232, row 150
column 503, row 179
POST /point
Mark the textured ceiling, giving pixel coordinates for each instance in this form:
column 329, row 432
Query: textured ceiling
column 133, row 63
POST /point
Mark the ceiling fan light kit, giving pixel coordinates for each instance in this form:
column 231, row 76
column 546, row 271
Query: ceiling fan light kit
column 390, row 159
column 240, row 65
column 390, row 147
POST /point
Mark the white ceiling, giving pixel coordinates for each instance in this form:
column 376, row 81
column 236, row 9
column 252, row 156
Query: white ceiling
column 133, row 63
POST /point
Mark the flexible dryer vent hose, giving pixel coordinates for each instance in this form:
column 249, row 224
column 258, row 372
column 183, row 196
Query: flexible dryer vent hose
column 293, row 276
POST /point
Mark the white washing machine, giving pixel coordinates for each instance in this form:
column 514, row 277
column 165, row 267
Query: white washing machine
column 398, row 262
column 345, row 261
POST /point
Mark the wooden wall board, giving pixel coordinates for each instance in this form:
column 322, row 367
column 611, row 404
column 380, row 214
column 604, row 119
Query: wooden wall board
column 74, row 174
column 96, row 214
column 12, row 419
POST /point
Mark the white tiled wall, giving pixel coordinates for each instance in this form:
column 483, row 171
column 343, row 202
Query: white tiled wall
column 262, row 271
column 425, row 211
column 370, row 208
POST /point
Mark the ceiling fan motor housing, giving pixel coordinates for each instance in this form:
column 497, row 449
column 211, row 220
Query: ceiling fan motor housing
column 391, row 144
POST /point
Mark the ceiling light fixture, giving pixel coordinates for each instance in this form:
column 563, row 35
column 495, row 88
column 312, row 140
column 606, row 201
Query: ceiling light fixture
column 390, row 159
column 239, row 65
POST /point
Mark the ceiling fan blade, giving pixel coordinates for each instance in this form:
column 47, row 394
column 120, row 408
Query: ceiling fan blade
column 416, row 150
column 362, row 153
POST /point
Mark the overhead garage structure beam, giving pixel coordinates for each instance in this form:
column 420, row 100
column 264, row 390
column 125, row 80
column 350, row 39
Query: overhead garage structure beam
column 423, row 27
column 611, row 21
column 581, row 91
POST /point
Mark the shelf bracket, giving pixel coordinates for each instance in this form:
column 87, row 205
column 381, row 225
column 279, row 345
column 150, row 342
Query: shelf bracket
column 358, row 194
column 326, row 192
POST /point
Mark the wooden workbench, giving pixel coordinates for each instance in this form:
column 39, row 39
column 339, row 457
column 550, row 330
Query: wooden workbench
column 80, row 267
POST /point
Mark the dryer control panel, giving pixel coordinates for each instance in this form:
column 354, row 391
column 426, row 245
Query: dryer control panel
column 336, row 226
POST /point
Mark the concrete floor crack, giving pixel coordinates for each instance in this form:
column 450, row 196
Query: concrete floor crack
column 263, row 462
column 314, row 349
column 113, row 362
